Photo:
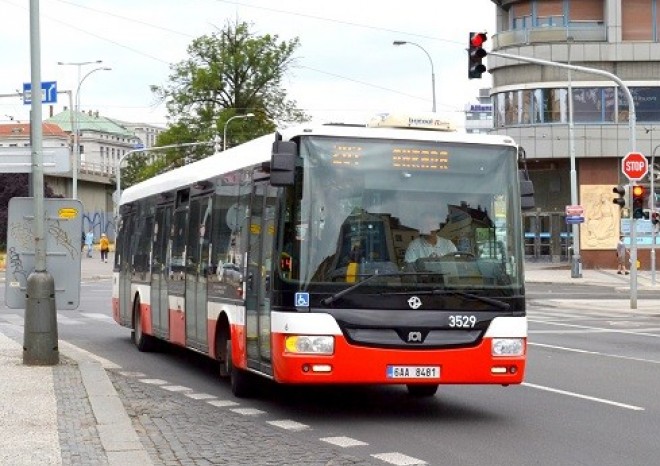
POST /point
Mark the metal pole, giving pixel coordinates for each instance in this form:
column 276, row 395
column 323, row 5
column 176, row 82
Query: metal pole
column 403, row 42
column 632, row 121
column 40, row 333
column 224, row 134
column 653, row 235
column 576, row 260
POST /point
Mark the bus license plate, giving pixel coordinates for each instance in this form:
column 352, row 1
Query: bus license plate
column 413, row 372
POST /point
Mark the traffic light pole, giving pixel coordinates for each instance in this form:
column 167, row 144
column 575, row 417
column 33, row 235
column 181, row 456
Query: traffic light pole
column 632, row 121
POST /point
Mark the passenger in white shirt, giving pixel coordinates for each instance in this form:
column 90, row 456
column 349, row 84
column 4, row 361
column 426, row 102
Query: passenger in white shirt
column 429, row 244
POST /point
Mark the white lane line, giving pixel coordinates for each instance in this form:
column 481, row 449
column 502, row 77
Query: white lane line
column 584, row 397
column 604, row 330
column 200, row 396
column 288, row 425
column 177, row 388
column 398, row 459
column 248, row 411
column 154, row 381
column 132, row 374
column 344, row 442
column 222, row 403
column 595, row 353
column 64, row 320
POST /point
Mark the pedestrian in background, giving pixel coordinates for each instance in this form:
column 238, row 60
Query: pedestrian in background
column 621, row 254
column 104, row 245
column 89, row 242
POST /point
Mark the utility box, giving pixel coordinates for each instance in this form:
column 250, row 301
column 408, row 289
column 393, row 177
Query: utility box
column 63, row 233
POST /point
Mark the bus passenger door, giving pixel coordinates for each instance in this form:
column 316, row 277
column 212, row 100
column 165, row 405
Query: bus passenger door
column 159, row 303
column 197, row 258
column 262, row 234
column 125, row 260
column 176, row 273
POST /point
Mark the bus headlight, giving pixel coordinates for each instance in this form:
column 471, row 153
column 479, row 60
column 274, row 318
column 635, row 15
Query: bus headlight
column 507, row 347
column 309, row 344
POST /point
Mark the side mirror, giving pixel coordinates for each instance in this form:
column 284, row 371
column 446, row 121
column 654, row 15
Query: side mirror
column 283, row 163
column 526, row 191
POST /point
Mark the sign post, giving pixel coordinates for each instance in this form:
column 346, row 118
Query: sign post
column 635, row 167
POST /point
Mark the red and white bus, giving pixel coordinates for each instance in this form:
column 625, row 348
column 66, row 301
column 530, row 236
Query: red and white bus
column 288, row 258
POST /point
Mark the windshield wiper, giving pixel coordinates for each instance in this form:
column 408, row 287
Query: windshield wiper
column 339, row 294
column 484, row 299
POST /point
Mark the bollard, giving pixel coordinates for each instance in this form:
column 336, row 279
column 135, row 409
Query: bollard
column 40, row 345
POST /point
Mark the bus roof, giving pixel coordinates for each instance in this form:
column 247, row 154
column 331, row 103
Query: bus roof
column 259, row 150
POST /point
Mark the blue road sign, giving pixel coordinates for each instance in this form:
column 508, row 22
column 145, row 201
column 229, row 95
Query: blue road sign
column 48, row 92
column 574, row 219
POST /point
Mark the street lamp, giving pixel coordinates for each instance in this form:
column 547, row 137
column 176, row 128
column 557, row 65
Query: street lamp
column 224, row 134
column 74, row 128
column 403, row 42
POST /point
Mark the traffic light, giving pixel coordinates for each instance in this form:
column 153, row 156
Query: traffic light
column 623, row 200
column 638, row 201
column 476, row 54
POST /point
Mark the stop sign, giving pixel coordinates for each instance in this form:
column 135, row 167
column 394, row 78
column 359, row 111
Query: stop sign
column 635, row 166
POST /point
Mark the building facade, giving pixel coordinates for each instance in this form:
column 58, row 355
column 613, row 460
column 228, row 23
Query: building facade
column 535, row 104
column 479, row 114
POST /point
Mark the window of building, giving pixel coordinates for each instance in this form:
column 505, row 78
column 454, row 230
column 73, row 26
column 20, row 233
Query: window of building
column 637, row 19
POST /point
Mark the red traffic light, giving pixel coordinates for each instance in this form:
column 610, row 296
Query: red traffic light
column 477, row 39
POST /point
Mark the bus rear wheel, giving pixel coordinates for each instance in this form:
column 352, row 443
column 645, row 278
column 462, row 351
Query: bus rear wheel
column 422, row 391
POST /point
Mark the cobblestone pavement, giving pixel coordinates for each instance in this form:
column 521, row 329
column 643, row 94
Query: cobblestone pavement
column 177, row 430
column 79, row 437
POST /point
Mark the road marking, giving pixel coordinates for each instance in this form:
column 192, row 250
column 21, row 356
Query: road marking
column 344, row 442
column 222, row 403
column 94, row 315
column 177, row 388
column 13, row 319
column 132, row 374
column 288, row 425
column 200, row 396
column 584, row 397
column 398, row 459
column 595, row 353
column 605, row 330
column 154, row 381
column 247, row 411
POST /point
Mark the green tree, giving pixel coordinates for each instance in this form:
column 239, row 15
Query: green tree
column 230, row 72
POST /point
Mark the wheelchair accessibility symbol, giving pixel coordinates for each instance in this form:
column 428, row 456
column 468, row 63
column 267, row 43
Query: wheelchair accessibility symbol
column 302, row 299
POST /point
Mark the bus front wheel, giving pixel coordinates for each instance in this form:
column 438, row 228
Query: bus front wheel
column 142, row 341
column 239, row 380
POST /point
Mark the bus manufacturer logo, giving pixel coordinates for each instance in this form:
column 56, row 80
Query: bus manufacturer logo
column 414, row 302
column 414, row 337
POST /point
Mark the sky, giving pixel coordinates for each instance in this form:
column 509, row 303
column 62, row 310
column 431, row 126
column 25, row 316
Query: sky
column 346, row 68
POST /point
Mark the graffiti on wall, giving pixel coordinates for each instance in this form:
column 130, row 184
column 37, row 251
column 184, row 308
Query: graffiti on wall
column 99, row 222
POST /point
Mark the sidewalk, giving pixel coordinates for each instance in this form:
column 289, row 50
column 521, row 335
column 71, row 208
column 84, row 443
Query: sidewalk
column 65, row 414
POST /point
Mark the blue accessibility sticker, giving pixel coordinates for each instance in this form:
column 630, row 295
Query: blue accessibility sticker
column 302, row 299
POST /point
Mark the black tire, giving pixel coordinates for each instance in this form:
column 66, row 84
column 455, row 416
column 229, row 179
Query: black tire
column 422, row 391
column 240, row 381
column 224, row 357
column 143, row 342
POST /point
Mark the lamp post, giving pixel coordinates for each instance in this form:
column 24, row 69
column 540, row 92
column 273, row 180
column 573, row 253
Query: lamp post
column 74, row 127
column 576, row 260
column 403, row 42
column 224, row 134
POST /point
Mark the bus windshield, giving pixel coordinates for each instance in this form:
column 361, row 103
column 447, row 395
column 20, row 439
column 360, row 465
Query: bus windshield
column 423, row 214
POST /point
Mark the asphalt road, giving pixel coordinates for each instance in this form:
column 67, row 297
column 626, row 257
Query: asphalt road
column 590, row 395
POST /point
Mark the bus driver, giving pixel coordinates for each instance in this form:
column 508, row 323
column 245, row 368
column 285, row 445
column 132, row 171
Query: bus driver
column 429, row 244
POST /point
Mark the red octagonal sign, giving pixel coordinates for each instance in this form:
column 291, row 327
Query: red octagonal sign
column 635, row 166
